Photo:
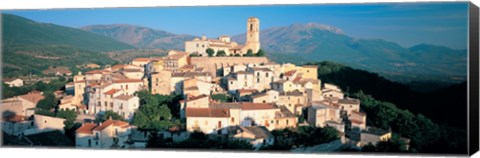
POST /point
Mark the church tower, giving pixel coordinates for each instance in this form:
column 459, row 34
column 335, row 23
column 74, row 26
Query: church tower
column 253, row 35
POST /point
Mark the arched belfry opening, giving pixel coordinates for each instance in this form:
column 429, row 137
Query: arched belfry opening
column 251, row 27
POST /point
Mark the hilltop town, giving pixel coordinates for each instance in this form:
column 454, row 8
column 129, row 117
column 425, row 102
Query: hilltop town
column 225, row 90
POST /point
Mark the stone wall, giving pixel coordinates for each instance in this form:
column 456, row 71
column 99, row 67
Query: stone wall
column 211, row 64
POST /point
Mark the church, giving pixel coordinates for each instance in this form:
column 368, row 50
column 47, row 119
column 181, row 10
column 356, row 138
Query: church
column 199, row 46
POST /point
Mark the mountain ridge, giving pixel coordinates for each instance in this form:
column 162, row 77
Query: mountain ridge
column 140, row 36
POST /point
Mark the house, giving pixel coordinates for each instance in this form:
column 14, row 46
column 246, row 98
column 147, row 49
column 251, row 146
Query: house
column 320, row 113
column 22, row 105
column 13, row 82
column 349, row 105
column 14, row 124
column 200, row 101
column 208, row 120
column 358, row 119
column 44, row 123
column 285, row 119
column 160, row 82
column 374, row 135
column 244, row 94
column 126, row 105
column 240, row 80
column 291, row 99
column 109, row 134
column 270, row 96
column 262, row 77
column 258, row 136
column 332, row 91
column 58, row 71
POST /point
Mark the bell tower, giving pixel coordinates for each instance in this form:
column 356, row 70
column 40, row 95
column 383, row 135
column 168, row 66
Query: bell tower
column 253, row 35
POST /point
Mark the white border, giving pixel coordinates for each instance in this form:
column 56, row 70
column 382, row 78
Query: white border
column 64, row 153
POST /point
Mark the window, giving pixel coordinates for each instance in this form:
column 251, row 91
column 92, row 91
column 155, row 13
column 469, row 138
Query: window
column 198, row 45
column 266, row 74
column 277, row 122
column 258, row 80
column 287, row 122
column 251, row 27
column 89, row 142
column 233, row 119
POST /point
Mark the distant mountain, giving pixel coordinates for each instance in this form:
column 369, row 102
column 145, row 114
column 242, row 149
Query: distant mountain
column 17, row 30
column 30, row 47
column 301, row 43
column 141, row 37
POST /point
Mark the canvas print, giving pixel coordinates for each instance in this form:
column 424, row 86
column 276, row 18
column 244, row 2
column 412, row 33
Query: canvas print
column 316, row 78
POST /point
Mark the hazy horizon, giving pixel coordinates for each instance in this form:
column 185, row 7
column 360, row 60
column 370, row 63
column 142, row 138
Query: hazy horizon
column 407, row 24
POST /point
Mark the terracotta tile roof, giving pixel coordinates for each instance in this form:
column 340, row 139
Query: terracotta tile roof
column 284, row 113
column 111, row 92
column 141, row 60
column 259, row 95
column 118, row 66
column 32, row 97
column 297, row 79
column 124, row 97
column 359, row 113
column 227, row 105
column 127, row 80
column 197, row 97
column 109, row 123
column 132, row 70
column 291, row 93
column 94, row 72
column 356, row 121
column 256, row 106
column 207, row 112
column 247, row 90
column 349, row 101
column 258, row 131
column 15, row 118
column 86, row 128
column 290, row 73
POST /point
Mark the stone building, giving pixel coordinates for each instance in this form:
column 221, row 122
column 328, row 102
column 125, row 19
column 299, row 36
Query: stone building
column 224, row 43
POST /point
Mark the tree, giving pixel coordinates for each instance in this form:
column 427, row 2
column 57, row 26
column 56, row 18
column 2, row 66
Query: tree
column 210, row 52
column 221, row 53
column 69, row 116
column 237, row 55
column 47, row 103
column 249, row 53
column 153, row 113
column 107, row 115
column 260, row 53
column 221, row 97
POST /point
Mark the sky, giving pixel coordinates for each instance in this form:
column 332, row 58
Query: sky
column 407, row 24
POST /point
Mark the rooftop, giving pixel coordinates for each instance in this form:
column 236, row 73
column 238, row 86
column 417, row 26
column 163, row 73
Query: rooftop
column 256, row 106
column 207, row 112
